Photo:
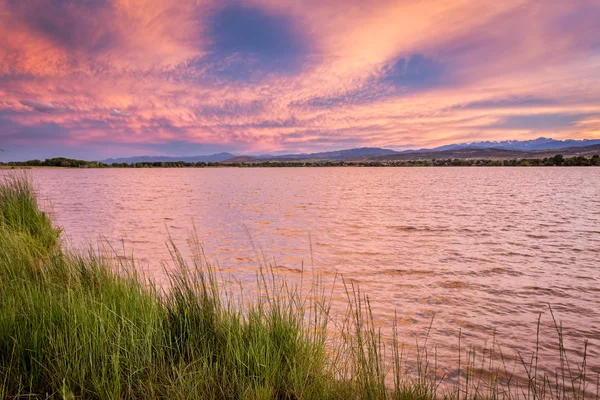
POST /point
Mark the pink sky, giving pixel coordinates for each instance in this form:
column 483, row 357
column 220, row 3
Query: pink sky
column 101, row 78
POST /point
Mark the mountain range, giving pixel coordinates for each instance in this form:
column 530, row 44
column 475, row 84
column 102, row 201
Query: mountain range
column 501, row 149
column 541, row 143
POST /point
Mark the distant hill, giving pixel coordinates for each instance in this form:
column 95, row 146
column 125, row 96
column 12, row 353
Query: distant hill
column 334, row 155
column 487, row 149
column 541, row 143
column 502, row 149
column 469, row 153
column 143, row 159
column 461, row 153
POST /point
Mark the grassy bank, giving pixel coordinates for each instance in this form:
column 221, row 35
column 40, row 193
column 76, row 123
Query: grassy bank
column 85, row 326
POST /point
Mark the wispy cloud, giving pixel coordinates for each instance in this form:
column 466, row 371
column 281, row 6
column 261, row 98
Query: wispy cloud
column 508, row 102
column 40, row 106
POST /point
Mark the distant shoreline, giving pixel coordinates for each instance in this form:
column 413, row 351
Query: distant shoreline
column 557, row 160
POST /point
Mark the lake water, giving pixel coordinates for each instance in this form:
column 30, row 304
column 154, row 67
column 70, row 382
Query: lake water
column 484, row 249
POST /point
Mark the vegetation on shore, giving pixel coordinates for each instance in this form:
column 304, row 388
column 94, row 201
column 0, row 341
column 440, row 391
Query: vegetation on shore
column 557, row 160
column 87, row 326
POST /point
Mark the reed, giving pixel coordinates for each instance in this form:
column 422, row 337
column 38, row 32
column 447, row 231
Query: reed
column 89, row 326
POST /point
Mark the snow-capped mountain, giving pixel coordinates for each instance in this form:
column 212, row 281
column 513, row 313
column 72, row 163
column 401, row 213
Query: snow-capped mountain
column 541, row 143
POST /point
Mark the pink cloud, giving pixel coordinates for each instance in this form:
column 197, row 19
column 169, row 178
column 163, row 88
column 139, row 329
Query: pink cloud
column 297, row 75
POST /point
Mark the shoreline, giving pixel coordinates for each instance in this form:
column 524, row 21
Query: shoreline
column 557, row 161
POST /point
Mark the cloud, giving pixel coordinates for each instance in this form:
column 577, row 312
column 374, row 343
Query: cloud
column 40, row 106
column 231, row 109
column 397, row 78
column 116, row 113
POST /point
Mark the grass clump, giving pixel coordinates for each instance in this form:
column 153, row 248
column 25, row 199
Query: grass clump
column 20, row 214
column 87, row 326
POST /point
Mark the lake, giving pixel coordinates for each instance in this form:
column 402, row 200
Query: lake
column 480, row 250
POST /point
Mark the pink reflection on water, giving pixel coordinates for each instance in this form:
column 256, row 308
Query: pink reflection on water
column 483, row 249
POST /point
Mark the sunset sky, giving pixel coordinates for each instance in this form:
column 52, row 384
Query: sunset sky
column 107, row 78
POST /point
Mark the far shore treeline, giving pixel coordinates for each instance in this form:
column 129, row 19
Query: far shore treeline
column 557, row 160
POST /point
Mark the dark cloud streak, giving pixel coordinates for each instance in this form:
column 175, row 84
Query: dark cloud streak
column 76, row 25
column 508, row 102
column 48, row 108
column 535, row 122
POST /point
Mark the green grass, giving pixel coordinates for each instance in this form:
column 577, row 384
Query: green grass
column 87, row 326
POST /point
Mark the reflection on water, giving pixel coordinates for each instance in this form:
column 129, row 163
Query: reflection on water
column 484, row 249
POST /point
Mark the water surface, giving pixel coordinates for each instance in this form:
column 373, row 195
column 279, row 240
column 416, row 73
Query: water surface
column 483, row 249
